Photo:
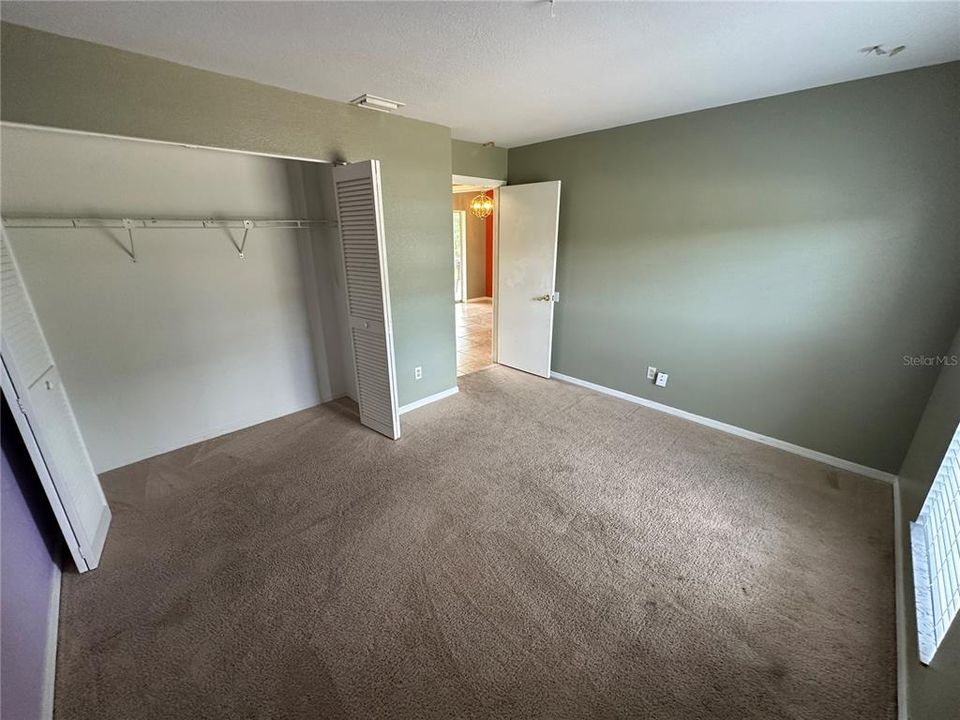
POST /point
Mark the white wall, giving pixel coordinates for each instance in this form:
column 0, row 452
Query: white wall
column 190, row 342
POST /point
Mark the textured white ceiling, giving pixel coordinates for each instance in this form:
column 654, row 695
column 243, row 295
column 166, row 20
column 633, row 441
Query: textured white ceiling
column 509, row 72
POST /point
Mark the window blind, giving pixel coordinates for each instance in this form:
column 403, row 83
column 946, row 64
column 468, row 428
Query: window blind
column 935, row 544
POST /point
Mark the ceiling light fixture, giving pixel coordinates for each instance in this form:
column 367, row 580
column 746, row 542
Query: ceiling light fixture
column 377, row 103
column 481, row 205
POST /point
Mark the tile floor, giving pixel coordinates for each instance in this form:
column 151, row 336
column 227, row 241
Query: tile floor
column 474, row 335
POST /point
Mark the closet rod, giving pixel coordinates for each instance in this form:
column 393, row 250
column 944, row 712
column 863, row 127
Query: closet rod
column 77, row 223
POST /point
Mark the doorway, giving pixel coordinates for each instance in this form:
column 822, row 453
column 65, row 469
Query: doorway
column 505, row 262
column 473, row 249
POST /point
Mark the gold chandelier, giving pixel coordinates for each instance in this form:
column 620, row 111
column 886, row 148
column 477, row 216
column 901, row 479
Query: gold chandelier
column 481, row 205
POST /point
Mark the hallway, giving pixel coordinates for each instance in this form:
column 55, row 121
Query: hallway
column 474, row 335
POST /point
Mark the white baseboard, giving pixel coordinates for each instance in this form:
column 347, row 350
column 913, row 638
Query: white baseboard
column 901, row 606
column 734, row 430
column 50, row 652
column 429, row 399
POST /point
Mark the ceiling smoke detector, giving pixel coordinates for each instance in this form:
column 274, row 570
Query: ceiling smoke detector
column 879, row 50
column 377, row 103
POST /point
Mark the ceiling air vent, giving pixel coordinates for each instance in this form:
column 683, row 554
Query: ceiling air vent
column 377, row 103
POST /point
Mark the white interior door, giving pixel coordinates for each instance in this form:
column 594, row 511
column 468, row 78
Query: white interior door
column 360, row 215
column 31, row 384
column 529, row 217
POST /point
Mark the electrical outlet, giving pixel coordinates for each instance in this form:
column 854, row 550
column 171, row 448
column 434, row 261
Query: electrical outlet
column 651, row 373
column 417, row 373
column 662, row 379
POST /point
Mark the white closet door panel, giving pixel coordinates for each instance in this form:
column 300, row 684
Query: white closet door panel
column 66, row 456
column 45, row 418
column 373, row 384
column 360, row 216
column 27, row 346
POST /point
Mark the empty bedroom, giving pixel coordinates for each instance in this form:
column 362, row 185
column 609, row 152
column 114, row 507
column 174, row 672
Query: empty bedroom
column 538, row 359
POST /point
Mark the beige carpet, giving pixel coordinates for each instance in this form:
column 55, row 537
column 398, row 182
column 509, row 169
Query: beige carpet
column 529, row 549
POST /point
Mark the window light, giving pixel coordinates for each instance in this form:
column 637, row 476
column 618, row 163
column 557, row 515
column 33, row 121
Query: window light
column 935, row 542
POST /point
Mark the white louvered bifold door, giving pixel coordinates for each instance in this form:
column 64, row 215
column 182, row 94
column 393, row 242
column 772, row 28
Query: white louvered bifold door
column 31, row 384
column 360, row 215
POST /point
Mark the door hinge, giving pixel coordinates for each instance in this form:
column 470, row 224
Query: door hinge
column 22, row 408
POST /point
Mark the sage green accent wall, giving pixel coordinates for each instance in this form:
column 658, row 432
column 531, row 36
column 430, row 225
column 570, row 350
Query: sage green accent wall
column 932, row 692
column 777, row 258
column 54, row 81
column 477, row 160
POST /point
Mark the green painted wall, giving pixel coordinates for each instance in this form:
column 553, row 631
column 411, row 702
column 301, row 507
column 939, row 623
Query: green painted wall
column 777, row 258
column 54, row 81
column 478, row 161
column 933, row 692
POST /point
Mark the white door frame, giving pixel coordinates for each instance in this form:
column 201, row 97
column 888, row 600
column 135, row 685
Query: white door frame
column 461, row 216
column 496, row 274
column 478, row 183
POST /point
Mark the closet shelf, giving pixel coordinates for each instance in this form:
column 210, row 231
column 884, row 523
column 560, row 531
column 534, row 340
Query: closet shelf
column 155, row 223
column 131, row 224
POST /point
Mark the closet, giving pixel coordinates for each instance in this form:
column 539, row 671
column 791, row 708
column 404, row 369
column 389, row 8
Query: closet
column 156, row 295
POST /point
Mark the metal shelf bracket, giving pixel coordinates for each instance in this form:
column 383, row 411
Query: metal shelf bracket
column 247, row 224
column 128, row 225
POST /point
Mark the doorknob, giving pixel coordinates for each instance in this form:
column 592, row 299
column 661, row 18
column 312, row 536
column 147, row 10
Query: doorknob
column 544, row 298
